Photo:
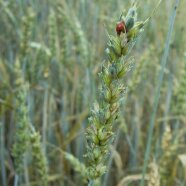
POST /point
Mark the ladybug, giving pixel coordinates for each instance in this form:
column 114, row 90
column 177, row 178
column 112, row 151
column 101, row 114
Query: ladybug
column 121, row 27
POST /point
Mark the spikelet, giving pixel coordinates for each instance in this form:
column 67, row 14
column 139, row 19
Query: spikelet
column 52, row 32
column 39, row 159
column 75, row 27
column 169, row 155
column 154, row 177
column 26, row 33
column 76, row 165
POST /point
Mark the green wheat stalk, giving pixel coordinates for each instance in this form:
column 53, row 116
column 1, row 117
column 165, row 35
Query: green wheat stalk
column 157, row 93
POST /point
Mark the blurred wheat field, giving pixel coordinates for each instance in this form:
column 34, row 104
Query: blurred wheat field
column 51, row 53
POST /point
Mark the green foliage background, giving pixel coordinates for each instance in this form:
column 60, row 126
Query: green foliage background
column 60, row 46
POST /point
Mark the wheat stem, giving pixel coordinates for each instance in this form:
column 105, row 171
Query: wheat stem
column 157, row 92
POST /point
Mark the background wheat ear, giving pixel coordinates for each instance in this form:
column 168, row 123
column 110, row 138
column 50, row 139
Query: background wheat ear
column 154, row 176
column 39, row 159
column 21, row 141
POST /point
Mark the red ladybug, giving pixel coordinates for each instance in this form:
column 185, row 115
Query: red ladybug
column 121, row 27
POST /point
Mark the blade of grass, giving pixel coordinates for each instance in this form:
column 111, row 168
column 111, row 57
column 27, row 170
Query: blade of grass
column 2, row 147
column 157, row 92
column 44, row 127
column 16, row 178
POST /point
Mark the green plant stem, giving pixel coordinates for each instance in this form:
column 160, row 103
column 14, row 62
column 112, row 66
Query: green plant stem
column 91, row 182
column 16, row 179
column 26, row 173
column 157, row 93
column 44, row 127
column 2, row 147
